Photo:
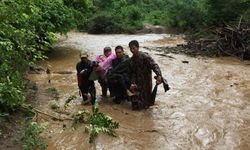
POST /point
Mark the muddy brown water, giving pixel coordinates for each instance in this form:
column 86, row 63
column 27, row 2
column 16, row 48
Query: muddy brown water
column 206, row 108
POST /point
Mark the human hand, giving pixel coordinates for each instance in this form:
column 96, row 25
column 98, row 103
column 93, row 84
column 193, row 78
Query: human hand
column 83, row 71
column 133, row 86
column 158, row 80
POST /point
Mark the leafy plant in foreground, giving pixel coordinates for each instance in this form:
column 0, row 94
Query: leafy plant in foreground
column 31, row 138
column 97, row 123
column 80, row 117
column 66, row 103
column 100, row 123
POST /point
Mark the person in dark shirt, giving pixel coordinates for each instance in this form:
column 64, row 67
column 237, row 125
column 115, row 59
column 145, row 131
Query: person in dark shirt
column 84, row 69
column 120, row 56
column 141, row 65
column 118, row 78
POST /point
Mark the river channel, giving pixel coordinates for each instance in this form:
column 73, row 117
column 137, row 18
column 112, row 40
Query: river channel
column 208, row 106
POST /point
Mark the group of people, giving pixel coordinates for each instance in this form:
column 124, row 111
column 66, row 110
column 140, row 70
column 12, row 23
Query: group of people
column 124, row 77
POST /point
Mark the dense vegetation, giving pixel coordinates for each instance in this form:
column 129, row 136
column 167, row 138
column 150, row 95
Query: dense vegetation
column 27, row 28
column 130, row 15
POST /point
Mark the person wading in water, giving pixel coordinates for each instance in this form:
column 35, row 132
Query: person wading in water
column 118, row 77
column 84, row 69
column 103, row 67
column 141, row 66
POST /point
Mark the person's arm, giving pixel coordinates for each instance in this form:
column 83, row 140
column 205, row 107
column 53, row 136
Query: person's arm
column 78, row 68
column 97, row 58
column 113, row 63
column 107, row 63
column 131, row 73
column 122, row 67
column 155, row 67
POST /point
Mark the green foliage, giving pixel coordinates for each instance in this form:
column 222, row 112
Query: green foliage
column 3, row 116
column 54, row 106
column 104, row 23
column 100, row 123
column 101, row 4
column 80, row 117
column 79, row 4
column 196, row 14
column 225, row 11
column 34, row 88
column 128, row 15
column 184, row 14
column 26, row 30
column 11, row 94
column 246, row 15
column 115, row 18
column 31, row 137
column 82, row 11
column 66, row 103
column 132, row 19
column 156, row 17
column 97, row 123
column 54, row 93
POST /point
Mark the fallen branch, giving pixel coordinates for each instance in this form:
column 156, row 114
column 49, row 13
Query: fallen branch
column 226, row 41
column 35, row 111
column 54, row 117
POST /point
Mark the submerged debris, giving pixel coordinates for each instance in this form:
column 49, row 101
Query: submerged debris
column 185, row 62
column 225, row 41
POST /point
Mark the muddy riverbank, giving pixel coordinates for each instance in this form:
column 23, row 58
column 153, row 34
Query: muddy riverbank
column 206, row 108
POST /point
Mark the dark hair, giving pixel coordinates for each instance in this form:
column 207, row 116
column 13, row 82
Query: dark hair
column 107, row 49
column 118, row 47
column 133, row 42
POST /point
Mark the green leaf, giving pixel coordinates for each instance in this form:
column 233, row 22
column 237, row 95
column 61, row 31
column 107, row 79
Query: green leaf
column 66, row 103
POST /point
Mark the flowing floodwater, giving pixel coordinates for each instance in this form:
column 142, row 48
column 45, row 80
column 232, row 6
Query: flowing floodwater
column 206, row 108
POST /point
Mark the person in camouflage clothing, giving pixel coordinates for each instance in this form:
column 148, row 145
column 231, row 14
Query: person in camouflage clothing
column 141, row 66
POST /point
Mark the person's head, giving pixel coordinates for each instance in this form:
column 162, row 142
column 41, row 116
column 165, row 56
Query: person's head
column 107, row 51
column 134, row 47
column 102, row 58
column 84, row 56
column 119, row 51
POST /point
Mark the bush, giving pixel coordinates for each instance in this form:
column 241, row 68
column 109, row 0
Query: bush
column 26, row 30
column 184, row 14
column 31, row 137
column 132, row 19
column 104, row 23
column 225, row 11
column 82, row 10
column 156, row 17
